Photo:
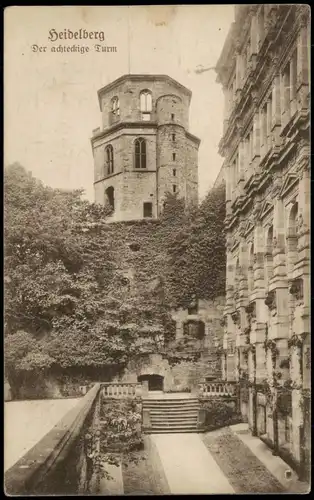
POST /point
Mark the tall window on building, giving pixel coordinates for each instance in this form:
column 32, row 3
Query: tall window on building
column 174, row 172
column 292, row 237
column 251, row 269
column 269, row 120
column 293, row 82
column 140, row 153
column 263, row 118
column 260, row 27
column 285, row 97
column 146, row 104
column 147, row 209
column 269, row 253
column 231, row 93
column 109, row 160
column 174, row 188
column 247, row 55
column 173, row 137
column 110, row 196
column 115, row 107
column 234, row 175
column 248, row 151
column 173, row 156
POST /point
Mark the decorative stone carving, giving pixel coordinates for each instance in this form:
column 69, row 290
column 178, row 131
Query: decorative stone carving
column 236, row 318
column 296, row 289
column 295, row 341
column 276, row 187
column 300, row 223
column 307, row 356
column 270, row 300
column 223, row 321
column 251, row 311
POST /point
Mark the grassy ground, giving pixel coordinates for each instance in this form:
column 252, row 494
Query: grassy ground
column 147, row 477
column 244, row 471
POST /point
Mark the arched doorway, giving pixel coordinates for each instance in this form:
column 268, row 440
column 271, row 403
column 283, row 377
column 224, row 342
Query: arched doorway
column 155, row 382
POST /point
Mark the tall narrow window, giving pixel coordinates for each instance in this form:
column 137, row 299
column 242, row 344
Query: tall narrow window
column 148, row 209
column 146, row 104
column 110, row 196
column 140, row 153
column 172, row 116
column 293, row 82
column 174, row 171
column 115, row 106
column 173, row 137
column 114, row 111
column 269, row 253
column 174, row 188
column 109, row 160
column 285, row 102
column 173, row 156
column 260, row 29
column 263, row 116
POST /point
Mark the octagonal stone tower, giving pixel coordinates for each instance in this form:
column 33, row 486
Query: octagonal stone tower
column 144, row 149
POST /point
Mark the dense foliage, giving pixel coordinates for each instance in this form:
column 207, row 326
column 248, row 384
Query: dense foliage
column 81, row 292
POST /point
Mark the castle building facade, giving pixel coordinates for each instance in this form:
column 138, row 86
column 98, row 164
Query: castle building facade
column 264, row 73
column 144, row 149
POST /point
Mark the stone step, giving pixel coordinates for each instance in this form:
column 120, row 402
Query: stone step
column 174, row 411
column 168, row 423
column 174, row 414
column 170, row 430
column 170, row 405
column 173, row 425
column 170, row 401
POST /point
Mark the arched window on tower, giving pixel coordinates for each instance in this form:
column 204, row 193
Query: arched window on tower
column 140, row 153
column 115, row 110
column 146, row 104
column 109, row 160
column 110, row 196
column 115, row 106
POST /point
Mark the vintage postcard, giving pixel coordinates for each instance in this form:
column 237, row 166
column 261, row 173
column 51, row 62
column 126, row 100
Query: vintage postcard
column 157, row 249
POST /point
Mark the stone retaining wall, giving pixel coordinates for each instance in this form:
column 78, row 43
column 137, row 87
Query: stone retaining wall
column 58, row 463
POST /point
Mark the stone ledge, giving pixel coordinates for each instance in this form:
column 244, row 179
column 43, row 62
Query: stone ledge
column 36, row 466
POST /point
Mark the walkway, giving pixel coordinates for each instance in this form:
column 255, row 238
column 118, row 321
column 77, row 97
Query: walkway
column 26, row 422
column 189, row 467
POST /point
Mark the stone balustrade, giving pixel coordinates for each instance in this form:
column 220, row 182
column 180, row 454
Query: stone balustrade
column 121, row 390
column 217, row 389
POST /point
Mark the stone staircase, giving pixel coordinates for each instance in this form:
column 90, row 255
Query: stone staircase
column 170, row 415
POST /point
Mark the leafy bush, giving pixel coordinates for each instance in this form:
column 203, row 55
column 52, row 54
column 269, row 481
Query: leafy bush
column 220, row 413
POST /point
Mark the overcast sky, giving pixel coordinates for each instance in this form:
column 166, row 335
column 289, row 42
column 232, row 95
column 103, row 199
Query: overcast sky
column 50, row 99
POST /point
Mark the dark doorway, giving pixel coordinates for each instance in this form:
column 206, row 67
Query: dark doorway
column 148, row 209
column 110, row 196
column 155, row 382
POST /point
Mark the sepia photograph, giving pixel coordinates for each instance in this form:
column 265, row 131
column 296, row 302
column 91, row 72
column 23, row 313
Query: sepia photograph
column 157, row 250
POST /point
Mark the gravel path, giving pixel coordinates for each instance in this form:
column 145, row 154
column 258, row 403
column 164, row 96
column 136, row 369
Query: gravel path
column 243, row 469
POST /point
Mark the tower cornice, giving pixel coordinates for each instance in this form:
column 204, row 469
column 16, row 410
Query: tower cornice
column 139, row 78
